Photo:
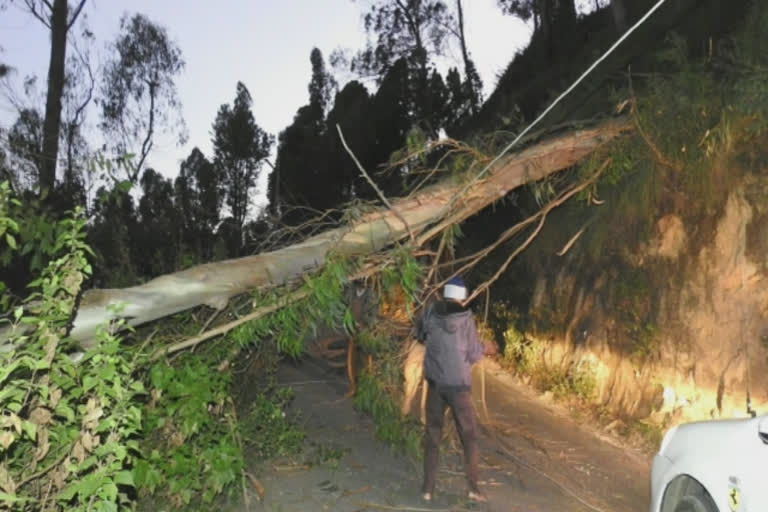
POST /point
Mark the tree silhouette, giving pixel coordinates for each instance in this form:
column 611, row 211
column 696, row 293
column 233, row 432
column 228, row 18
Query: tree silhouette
column 300, row 178
column 240, row 147
column 198, row 196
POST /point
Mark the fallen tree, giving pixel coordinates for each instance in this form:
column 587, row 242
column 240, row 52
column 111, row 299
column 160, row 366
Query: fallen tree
column 422, row 216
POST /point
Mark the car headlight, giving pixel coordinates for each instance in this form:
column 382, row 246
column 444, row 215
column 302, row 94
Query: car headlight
column 667, row 439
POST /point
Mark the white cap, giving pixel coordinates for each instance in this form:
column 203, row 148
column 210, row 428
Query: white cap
column 452, row 291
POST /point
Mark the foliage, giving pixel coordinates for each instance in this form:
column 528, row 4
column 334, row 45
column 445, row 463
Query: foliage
column 636, row 313
column 266, row 429
column 372, row 341
column 25, row 142
column 526, row 355
column 327, row 455
column 372, row 398
column 402, row 275
column 193, row 449
column 522, row 352
column 576, row 380
column 240, row 147
column 198, row 196
column 414, row 30
column 68, row 432
column 139, row 93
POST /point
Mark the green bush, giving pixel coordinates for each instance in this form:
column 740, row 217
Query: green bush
column 68, row 432
column 402, row 433
column 267, row 430
column 192, row 433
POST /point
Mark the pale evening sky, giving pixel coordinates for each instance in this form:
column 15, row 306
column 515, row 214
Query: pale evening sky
column 263, row 43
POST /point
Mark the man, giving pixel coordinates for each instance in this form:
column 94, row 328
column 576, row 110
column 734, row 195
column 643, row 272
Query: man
column 452, row 346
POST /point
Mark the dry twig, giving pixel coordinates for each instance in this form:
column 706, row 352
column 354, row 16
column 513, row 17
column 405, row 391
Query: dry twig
column 376, row 187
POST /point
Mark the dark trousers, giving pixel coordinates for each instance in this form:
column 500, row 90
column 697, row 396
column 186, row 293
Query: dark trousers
column 460, row 403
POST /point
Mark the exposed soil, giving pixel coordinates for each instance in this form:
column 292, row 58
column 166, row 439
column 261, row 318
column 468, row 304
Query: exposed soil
column 535, row 457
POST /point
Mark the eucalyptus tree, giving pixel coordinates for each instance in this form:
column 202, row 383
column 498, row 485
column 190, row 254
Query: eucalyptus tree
column 414, row 30
column 59, row 17
column 139, row 97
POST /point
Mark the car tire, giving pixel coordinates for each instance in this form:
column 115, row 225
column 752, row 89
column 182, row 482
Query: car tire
column 686, row 494
column 695, row 504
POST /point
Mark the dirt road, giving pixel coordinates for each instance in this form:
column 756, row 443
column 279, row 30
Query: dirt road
column 534, row 458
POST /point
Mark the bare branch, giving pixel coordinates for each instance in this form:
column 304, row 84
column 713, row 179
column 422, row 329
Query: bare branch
column 543, row 214
column 32, row 7
column 75, row 15
column 375, row 187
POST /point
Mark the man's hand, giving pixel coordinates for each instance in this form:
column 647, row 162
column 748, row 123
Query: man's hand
column 490, row 348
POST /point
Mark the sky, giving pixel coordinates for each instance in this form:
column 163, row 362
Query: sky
column 263, row 43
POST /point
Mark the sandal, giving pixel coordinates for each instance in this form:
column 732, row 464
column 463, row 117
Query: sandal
column 477, row 496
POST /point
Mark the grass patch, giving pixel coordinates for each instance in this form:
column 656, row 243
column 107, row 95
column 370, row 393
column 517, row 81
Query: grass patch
column 525, row 356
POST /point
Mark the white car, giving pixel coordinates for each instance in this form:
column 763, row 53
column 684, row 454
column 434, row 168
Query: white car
column 712, row 466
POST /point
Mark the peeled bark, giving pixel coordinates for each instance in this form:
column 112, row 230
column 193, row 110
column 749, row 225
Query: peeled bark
column 213, row 284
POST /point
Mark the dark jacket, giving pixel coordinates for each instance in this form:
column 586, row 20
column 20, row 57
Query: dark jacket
column 452, row 345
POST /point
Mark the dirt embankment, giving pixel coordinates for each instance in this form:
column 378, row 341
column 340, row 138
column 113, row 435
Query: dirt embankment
column 703, row 343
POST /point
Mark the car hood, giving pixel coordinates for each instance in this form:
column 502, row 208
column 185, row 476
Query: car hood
column 692, row 436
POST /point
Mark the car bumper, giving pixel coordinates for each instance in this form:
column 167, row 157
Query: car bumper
column 659, row 479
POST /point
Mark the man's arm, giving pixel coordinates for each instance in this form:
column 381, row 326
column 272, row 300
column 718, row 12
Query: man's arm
column 475, row 349
column 420, row 326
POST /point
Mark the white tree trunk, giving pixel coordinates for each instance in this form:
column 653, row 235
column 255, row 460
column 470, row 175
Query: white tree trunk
column 213, row 284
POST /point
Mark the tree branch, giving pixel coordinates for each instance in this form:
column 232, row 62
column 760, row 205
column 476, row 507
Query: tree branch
column 375, row 187
column 542, row 214
column 223, row 329
column 146, row 146
column 75, row 15
column 33, row 10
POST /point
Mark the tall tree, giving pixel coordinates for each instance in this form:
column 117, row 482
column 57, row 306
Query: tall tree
column 321, row 86
column 240, row 147
column 79, row 87
column 112, row 236
column 198, row 196
column 139, row 89
column 300, row 152
column 159, row 225
column 472, row 82
column 414, row 30
column 59, row 17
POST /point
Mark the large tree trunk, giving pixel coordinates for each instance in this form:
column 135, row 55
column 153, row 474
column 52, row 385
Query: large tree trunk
column 52, row 123
column 213, row 284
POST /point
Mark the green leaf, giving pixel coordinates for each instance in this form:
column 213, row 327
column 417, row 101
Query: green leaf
column 29, row 428
column 12, row 498
column 69, row 492
column 11, row 241
column 124, row 478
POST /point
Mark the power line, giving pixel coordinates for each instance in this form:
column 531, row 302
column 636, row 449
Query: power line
column 556, row 102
